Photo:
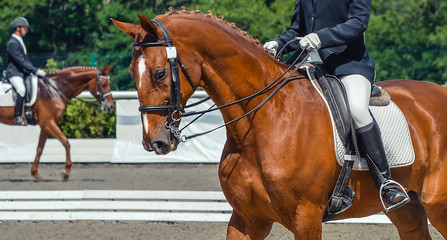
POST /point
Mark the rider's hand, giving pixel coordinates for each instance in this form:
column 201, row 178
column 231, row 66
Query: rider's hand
column 41, row 73
column 310, row 42
column 272, row 47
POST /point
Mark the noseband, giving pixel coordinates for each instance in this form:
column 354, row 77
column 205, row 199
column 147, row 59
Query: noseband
column 102, row 95
column 174, row 108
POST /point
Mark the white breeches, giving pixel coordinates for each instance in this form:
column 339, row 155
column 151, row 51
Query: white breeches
column 358, row 90
column 18, row 84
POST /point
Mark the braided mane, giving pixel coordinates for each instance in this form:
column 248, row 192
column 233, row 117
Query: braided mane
column 73, row 68
column 210, row 15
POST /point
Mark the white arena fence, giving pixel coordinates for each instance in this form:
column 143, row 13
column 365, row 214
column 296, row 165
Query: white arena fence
column 18, row 144
column 135, row 205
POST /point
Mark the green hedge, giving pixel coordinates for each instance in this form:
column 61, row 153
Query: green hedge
column 85, row 119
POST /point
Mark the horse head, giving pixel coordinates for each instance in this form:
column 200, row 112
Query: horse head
column 162, row 89
column 219, row 57
column 100, row 88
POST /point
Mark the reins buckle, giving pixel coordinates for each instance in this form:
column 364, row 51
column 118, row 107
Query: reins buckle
column 171, row 52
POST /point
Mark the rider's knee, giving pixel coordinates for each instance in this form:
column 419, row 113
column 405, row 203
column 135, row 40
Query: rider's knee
column 21, row 91
column 360, row 116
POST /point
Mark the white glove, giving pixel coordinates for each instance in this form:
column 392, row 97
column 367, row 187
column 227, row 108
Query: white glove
column 41, row 73
column 272, row 47
column 310, row 42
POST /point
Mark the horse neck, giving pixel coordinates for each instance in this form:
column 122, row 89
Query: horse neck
column 233, row 65
column 73, row 83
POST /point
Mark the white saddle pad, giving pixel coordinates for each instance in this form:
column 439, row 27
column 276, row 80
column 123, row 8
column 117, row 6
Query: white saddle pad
column 6, row 99
column 395, row 135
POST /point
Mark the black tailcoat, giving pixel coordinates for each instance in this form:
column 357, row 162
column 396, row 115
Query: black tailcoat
column 18, row 61
column 340, row 25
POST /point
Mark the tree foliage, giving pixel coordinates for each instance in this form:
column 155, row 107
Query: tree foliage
column 407, row 38
column 84, row 120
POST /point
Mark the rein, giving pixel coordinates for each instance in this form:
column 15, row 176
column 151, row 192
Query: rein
column 174, row 109
column 278, row 87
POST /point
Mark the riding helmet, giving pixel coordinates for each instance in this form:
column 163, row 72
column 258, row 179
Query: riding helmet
column 19, row 22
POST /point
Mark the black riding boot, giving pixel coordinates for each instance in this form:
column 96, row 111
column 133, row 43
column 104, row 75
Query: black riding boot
column 371, row 142
column 18, row 110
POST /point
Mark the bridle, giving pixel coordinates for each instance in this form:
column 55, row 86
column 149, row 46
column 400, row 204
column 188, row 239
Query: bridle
column 174, row 108
column 102, row 95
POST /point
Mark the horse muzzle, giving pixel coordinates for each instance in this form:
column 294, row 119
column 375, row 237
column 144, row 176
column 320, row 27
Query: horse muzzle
column 108, row 106
column 160, row 146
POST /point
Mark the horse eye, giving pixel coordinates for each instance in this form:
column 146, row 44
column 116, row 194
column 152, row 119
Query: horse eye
column 159, row 74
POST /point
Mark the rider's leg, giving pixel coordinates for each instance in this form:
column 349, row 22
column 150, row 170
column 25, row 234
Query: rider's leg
column 358, row 90
column 19, row 86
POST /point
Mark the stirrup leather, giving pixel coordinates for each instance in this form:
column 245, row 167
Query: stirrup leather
column 397, row 205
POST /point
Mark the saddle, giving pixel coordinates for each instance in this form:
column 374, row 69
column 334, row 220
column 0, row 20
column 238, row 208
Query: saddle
column 8, row 95
column 391, row 121
column 333, row 91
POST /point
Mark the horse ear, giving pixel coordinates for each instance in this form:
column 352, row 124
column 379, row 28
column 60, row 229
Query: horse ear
column 106, row 69
column 128, row 28
column 149, row 27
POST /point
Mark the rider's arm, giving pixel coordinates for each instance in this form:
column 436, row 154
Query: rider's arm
column 291, row 32
column 16, row 52
column 357, row 23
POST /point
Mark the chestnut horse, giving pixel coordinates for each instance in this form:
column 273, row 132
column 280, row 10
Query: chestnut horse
column 279, row 163
column 52, row 98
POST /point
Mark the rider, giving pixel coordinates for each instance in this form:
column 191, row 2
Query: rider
column 334, row 32
column 19, row 65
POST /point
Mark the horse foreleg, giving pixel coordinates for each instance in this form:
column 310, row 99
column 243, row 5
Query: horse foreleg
column 238, row 228
column 411, row 220
column 34, row 168
column 306, row 224
column 56, row 132
column 434, row 200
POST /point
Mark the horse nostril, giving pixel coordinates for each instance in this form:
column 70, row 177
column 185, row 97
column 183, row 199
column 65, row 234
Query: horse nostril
column 161, row 147
column 109, row 107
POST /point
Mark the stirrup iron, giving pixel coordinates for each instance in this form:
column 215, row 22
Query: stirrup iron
column 397, row 205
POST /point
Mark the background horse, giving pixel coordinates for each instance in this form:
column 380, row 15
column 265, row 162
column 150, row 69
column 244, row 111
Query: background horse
column 279, row 163
column 52, row 98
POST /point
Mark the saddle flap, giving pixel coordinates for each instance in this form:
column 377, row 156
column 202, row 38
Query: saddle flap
column 334, row 93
